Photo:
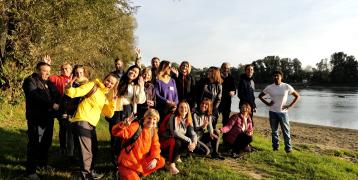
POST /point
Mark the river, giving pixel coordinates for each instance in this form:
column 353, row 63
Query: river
column 335, row 107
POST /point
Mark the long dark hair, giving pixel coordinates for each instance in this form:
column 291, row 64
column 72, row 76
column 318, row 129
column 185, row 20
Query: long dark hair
column 123, row 83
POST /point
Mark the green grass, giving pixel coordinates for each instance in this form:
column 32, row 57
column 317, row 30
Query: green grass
column 306, row 162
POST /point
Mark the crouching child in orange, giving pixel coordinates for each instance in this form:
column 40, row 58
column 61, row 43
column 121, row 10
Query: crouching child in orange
column 140, row 154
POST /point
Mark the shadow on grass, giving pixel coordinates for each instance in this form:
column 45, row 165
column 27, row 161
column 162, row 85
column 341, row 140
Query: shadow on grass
column 13, row 145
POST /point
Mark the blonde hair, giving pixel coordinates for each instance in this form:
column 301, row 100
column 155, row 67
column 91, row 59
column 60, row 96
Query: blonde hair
column 146, row 70
column 65, row 64
column 151, row 112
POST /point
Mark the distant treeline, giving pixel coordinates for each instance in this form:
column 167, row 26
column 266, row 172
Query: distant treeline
column 340, row 69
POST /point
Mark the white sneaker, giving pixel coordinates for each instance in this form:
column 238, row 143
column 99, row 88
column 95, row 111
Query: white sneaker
column 33, row 176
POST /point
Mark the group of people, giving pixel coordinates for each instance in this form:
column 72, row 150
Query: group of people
column 156, row 114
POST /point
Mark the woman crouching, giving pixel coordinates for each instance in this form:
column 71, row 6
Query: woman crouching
column 177, row 135
column 140, row 154
column 238, row 131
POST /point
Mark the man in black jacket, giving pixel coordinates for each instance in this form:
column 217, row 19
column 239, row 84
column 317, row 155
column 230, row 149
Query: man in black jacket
column 246, row 89
column 42, row 101
column 229, row 90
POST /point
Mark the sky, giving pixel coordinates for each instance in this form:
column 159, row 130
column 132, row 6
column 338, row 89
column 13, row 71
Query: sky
column 209, row 32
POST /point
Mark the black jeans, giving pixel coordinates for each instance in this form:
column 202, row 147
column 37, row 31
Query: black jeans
column 241, row 141
column 38, row 145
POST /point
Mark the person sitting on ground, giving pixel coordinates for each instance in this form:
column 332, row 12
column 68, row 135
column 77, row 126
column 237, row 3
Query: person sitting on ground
column 202, row 121
column 177, row 134
column 142, row 157
column 239, row 130
column 97, row 100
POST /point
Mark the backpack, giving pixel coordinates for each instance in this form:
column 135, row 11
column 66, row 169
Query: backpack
column 164, row 125
column 130, row 142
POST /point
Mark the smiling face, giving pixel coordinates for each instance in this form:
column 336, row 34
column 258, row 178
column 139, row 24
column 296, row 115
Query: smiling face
column 66, row 70
column 133, row 74
column 184, row 68
column 245, row 109
column 147, row 75
column 183, row 109
column 150, row 121
column 204, row 106
column 110, row 82
column 79, row 73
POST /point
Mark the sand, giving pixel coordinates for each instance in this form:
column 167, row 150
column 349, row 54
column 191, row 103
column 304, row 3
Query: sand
column 322, row 136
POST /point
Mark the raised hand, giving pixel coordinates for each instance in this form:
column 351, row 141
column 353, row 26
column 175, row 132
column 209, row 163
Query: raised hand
column 138, row 53
column 47, row 59
column 141, row 81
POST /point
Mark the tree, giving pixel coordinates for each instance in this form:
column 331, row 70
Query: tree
column 91, row 33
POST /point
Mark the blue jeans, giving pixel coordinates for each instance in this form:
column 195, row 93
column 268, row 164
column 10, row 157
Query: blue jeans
column 277, row 118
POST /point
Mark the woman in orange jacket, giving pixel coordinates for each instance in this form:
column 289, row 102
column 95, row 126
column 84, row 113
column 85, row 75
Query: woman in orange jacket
column 142, row 157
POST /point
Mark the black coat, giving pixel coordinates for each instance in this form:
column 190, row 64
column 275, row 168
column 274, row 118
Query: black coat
column 40, row 97
column 228, row 85
column 246, row 91
column 186, row 88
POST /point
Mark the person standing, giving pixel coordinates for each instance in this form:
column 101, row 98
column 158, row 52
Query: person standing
column 60, row 82
column 165, row 90
column 246, row 89
column 229, row 90
column 155, row 67
column 211, row 88
column 185, row 84
column 97, row 100
column 278, row 92
column 118, row 64
column 42, row 100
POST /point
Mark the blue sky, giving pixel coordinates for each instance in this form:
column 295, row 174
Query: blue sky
column 208, row 32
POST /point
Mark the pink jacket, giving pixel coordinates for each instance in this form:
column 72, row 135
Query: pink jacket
column 234, row 127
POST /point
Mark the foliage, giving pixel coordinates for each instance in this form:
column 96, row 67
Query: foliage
column 92, row 33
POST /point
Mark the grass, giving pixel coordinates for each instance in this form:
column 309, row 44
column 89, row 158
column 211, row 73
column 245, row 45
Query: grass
column 306, row 161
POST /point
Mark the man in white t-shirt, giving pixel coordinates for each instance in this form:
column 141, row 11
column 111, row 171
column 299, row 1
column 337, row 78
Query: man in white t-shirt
column 278, row 93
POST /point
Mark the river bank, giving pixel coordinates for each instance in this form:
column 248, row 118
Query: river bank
column 322, row 136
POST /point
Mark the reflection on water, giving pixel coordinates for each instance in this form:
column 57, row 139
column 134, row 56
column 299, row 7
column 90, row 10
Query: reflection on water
column 322, row 106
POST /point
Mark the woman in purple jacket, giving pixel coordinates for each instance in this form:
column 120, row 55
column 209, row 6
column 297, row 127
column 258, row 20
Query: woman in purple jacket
column 165, row 90
column 238, row 131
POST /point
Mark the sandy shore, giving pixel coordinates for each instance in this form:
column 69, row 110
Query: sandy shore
column 314, row 134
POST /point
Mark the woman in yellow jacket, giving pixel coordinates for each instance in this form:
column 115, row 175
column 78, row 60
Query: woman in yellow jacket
column 96, row 100
column 142, row 157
